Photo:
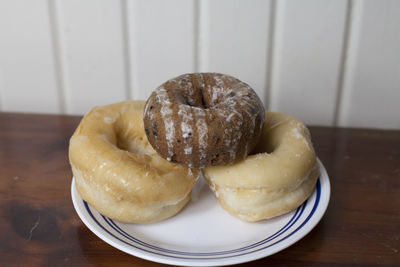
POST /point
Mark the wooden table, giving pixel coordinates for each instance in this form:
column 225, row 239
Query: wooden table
column 39, row 225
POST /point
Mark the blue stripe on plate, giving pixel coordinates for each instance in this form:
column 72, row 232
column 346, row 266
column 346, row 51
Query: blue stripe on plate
column 270, row 238
column 317, row 199
column 218, row 254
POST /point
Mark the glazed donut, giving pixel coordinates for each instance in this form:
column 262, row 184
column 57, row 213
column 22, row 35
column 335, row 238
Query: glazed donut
column 203, row 119
column 276, row 178
column 118, row 172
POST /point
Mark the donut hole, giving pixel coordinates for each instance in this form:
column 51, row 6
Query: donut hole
column 127, row 138
column 206, row 92
column 133, row 144
column 265, row 147
column 262, row 148
column 199, row 99
column 273, row 133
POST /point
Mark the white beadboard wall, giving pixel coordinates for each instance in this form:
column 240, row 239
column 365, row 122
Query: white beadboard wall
column 333, row 63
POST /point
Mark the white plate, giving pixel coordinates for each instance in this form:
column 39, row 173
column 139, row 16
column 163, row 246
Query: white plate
column 203, row 234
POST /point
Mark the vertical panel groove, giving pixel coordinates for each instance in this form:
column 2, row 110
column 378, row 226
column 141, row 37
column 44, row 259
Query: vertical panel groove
column 348, row 64
column 133, row 49
column 54, row 28
column 126, row 49
column 343, row 63
column 274, row 56
column 202, row 49
column 270, row 52
column 196, row 35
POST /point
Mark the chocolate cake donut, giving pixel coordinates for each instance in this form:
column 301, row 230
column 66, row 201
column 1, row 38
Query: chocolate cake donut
column 203, row 119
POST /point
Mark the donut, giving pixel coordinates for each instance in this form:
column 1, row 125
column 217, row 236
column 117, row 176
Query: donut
column 203, row 119
column 278, row 176
column 118, row 172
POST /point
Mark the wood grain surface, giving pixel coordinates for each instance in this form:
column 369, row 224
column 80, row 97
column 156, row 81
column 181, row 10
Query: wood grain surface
column 39, row 226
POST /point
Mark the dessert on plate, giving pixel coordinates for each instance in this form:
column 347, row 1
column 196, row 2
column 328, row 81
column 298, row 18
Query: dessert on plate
column 137, row 161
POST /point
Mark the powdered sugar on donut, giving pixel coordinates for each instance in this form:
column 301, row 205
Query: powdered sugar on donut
column 202, row 132
column 186, row 127
column 166, row 114
column 298, row 133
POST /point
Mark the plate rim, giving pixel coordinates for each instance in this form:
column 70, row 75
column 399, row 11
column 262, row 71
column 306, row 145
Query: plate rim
column 310, row 222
